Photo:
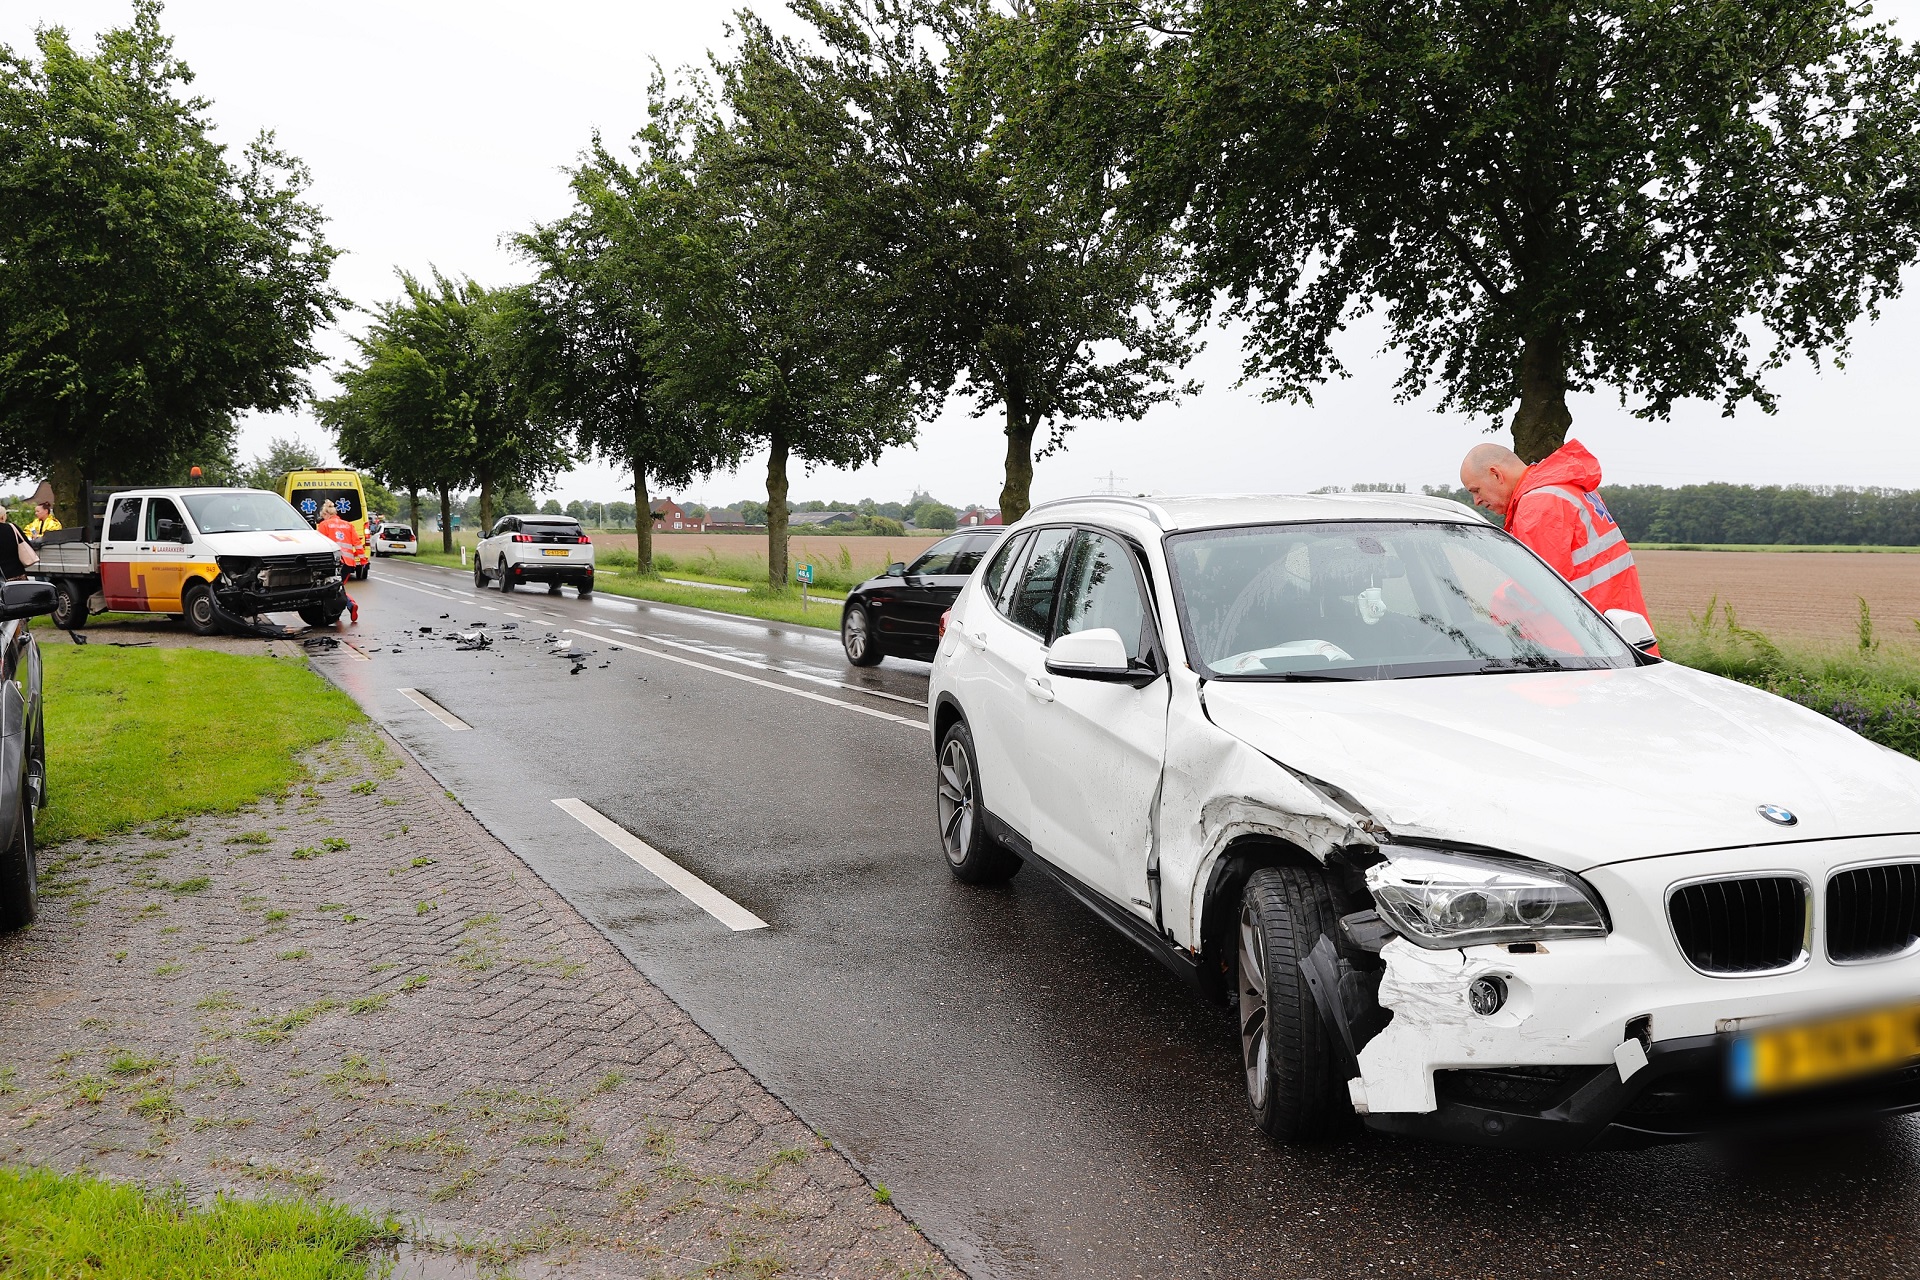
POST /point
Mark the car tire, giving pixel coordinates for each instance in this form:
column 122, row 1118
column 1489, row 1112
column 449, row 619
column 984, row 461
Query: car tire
column 479, row 574
column 553, row 588
column 506, row 579
column 200, row 616
column 972, row 854
column 1295, row 1071
column 19, row 874
column 585, row 593
column 857, row 638
column 69, row 605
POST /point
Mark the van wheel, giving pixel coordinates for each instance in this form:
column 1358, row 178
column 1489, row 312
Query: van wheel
column 199, row 614
column 69, row 605
column 972, row 854
column 322, row 615
column 19, row 876
column 1294, row 1070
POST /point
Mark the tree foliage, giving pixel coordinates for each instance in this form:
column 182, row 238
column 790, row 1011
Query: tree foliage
column 763, row 265
column 1542, row 195
column 592, row 321
column 1011, row 278
column 150, row 287
column 439, row 397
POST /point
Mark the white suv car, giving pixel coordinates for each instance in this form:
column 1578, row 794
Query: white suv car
column 1464, row 861
column 535, row 548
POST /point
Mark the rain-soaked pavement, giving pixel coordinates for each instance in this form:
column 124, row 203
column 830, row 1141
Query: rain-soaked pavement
column 1039, row 1095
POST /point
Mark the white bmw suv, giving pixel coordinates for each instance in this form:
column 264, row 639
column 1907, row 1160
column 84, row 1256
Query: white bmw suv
column 535, row 548
column 1464, row 861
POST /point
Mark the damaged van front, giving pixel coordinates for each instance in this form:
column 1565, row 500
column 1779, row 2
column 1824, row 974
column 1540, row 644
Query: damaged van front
column 1464, row 861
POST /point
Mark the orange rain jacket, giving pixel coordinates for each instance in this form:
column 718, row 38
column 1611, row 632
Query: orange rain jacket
column 1556, row 511
column 343, row 533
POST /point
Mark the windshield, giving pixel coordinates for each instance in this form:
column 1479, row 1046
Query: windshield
column 344, row 501
column 1354, row 601
column 242, row 513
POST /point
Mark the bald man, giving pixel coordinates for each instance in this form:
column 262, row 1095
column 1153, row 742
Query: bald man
column 1554, row 508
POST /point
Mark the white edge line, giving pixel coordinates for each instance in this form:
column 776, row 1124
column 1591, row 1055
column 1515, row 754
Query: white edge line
column 434, row 709
column 764, row 684
column 768, row 666
column 672, row 874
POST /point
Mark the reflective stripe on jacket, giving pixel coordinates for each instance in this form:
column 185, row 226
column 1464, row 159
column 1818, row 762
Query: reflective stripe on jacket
column 1556, row 511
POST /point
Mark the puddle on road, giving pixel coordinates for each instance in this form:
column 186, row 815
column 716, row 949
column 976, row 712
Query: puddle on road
column 407, row 1262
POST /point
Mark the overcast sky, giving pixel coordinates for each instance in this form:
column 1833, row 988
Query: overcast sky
column 434, row 128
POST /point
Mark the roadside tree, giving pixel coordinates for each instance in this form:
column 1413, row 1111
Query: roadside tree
column 594, row 323
column 764, row 266
column 1010, row 275
column 150, row 287
column 1670, row 200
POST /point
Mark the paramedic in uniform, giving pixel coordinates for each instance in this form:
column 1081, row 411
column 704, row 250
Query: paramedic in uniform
column 1554, row 508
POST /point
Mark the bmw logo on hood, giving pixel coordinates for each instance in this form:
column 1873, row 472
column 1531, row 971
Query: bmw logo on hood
column 1778, row 816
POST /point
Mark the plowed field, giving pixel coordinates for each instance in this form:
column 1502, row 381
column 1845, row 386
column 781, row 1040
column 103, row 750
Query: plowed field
column 1789, row 595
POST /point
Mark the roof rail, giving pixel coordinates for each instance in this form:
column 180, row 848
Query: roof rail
column 1152, row 510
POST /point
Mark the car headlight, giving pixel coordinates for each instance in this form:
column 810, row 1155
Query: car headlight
column 1440, row 900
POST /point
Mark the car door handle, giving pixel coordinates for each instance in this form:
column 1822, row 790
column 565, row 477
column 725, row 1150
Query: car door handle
column 1040, row 687
column 978, row 639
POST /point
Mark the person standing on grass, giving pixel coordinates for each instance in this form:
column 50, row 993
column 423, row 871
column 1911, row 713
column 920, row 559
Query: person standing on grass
column 1555, row 508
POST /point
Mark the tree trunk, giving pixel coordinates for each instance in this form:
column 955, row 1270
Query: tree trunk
column 69, row 484
column 486, row 503
column 413, row 510
column 777, row 512
column 446, row 522
column 642, row 519
column 1016, row 493
column 1540, row 423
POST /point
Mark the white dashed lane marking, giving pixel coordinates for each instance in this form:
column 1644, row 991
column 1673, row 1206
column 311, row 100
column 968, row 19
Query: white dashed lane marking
column 672, row 874
column 742, row 676
column 434, row 709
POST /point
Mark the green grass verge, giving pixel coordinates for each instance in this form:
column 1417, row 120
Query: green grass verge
column 59, row 1225
column 137, row 736
column 755, row 602
column 1871, row 686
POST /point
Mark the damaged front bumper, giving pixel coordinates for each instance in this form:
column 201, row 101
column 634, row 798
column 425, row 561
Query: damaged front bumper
column 248, row 586
column 1616, row 1041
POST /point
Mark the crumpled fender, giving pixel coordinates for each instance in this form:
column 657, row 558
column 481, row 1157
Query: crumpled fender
column 1234, row 791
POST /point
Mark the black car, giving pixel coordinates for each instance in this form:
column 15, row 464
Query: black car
column 23, row 749
column 899, row 612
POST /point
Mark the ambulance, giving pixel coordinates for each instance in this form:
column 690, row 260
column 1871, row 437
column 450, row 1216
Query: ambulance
column 339, row 487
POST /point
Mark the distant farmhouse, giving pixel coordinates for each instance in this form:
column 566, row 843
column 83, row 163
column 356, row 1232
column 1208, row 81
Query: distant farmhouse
column 824, row 520
column 670, row 517
column 979, row 516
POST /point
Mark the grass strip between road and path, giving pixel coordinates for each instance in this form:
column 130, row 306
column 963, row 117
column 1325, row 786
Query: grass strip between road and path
column 142, row 736
column 55, row 1224
column 1764, row 546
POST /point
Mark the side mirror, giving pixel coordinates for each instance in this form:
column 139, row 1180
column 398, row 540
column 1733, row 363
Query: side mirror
column 1633, row 628
column 25, row 600
column 898, row 569
column 1096, row 654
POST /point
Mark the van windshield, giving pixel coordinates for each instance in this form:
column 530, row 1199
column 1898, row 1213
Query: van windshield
column 242, row 513
column 1379, row 601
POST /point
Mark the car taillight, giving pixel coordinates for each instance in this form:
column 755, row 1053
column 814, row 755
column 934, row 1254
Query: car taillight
column 943, row 623
column 523, row 537
column 585, row 541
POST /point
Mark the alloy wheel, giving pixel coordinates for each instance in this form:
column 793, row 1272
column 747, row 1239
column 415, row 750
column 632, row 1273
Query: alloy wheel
column 853, row 633
column 956, row 801
column 1253, row 1005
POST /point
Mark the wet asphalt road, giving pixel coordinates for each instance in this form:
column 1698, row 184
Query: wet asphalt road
column 1039, row 1095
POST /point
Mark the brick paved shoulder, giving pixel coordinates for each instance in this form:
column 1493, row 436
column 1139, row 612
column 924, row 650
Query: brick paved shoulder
column 355, row 991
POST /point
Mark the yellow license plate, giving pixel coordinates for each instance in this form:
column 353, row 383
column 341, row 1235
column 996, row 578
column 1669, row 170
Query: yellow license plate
column 554, row 551
column 1816, row 1053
